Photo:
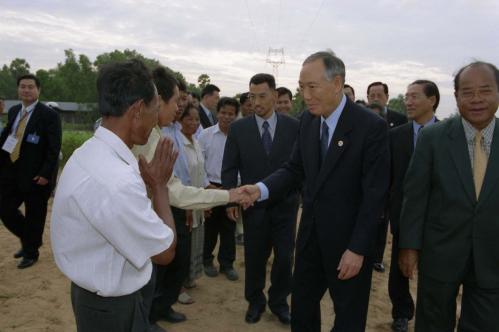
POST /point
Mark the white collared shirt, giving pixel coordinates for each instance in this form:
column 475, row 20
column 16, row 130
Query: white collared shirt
column 212, row 141
column 104, row 229
column 272, row 121
column 29, row 111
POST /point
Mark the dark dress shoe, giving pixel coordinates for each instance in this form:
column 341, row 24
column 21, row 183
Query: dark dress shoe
column 254, row 314
column 379, row 267
column 284, row 317
column 230, row 273
column 26, row 262
column 400, row 325
column 173, row 316
column 19, row 253
column 210, row 271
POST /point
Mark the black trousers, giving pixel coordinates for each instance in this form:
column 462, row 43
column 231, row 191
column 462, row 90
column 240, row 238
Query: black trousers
column 436, row 305
column 94, row 313
column 27, row 227
column 169, row 278
column 219, row 224
column 315, row 272
column 381, row 240
column 398, row 286
column 268, row 229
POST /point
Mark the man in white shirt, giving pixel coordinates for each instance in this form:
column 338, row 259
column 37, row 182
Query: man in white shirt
column 105, row 232
column 212, row 142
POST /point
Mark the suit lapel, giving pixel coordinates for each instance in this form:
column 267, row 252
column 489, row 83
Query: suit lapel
column 339, row 142
column 460, row 155
column 36, row 113
column 312, row 153
column 492, row 173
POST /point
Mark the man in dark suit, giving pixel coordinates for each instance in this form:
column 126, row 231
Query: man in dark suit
column 30, row 145
column 256, row 146
column 450, row 213
column 421, row 101
column 209, row 100
column 377, row 93
column 341, row 158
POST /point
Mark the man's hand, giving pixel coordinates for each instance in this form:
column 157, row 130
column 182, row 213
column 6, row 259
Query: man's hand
column 40, row 180
column 253, row 194
column 158, row 171
column 233, row 213
column 350, row 265
column 408, row 262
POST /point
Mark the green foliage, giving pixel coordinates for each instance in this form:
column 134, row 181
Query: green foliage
column 203, row 81
column 73, row 80
column 9, row 75
column 71, row 140
column 298, row 103
column 397, row 104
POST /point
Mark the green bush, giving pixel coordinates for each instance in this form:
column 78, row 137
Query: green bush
column 71, row 140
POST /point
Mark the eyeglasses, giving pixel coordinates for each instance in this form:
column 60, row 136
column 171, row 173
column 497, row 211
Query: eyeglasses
column 479, row 93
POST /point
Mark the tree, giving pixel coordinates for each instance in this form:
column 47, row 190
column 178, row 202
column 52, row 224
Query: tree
column 397, row 104
column 203, row 81
column 298, row 103
column 9, row 75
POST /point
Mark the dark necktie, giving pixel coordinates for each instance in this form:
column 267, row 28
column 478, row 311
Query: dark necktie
column 324, row 140
column 417, row 135
column 266, row 138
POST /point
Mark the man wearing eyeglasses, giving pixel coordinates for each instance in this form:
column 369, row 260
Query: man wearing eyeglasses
column 449, row 223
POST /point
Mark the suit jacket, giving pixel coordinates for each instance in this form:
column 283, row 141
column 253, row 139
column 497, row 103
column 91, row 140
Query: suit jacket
column 395, row 119
column 205, row 121
column 34, row 158
column 441, row 216
column 343, row 198
column 244, row 152
column 401, row 149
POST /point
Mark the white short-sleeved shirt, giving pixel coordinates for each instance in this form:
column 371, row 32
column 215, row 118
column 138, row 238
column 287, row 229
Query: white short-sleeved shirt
column 104, row 229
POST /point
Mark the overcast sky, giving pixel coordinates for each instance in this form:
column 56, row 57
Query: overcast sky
column 395, row 41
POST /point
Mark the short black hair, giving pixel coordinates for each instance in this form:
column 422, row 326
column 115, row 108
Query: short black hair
column 165, row 83
column 361, row 102
column 195, row 95
column 121, row 84
column 350, row 87
column 430, row 89
column 186, row 110
column 284, row 91
column 476, row 64
column 209, row 90
column 385, row 87
column 243, row 97
column 263, row 78
column 227, row 101
column 29, row 77
column 182, row 86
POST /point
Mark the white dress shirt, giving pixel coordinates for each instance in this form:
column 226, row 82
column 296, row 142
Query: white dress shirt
column 104, row 229
column 212, row 141
column 182, row 197
column 195, row 161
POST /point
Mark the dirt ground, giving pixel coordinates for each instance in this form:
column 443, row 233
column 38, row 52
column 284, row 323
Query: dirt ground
column 37, row 298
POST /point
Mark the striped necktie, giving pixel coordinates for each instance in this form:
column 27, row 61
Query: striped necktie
column 479, row 163
column 21, row 127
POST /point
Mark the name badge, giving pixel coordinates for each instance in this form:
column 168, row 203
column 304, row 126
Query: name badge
column 33, row 138
column 10, row 144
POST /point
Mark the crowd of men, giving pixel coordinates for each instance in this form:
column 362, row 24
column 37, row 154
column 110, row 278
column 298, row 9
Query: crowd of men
column 140, row 207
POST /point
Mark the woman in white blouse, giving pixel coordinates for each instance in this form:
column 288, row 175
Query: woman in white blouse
column 195, row 160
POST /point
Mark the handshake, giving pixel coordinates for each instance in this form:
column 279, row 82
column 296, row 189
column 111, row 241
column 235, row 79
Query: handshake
column 244, row 196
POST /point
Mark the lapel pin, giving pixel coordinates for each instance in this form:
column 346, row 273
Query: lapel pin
column 391, row 124
column 340, row 143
